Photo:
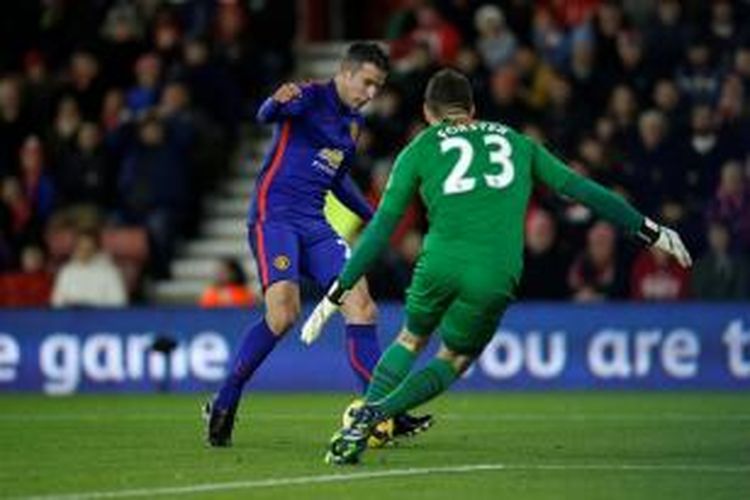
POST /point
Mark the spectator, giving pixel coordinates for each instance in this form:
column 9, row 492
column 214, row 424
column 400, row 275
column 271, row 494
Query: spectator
column 153, row 189
column 596, row 273
column 36, row 181
column 211, row 86
column 31, row 286
column 698, row 79
column 731, row 106
column 85, row 175
column 385, row 122
column 39, row 87
column 666, row 98
column 62, row 136
column 560, row 113
column 650, row 174
column 609, row 22
column 731, row 205
column 666, row 36
column 145, row 93
column 84, row 84
column 703, row 152
column 588, row 83
column 548, row 38
column 89, row 278
column 534, row 77
column 14, row 125
column 633, row 66
column 166, row 38
column 114, row 113
column 721, row 274
column 657, row 277
column 413, row 71
column 505, row 103
column 229, row 288
column 723, row 29
column 623, row 108
column 121, row 34
column 545, row 261
column 598, row 161
column 439, row 35
column 496, row 44
column 17, row 211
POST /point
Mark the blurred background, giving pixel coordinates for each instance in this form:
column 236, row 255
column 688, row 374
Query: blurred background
column 128, row 147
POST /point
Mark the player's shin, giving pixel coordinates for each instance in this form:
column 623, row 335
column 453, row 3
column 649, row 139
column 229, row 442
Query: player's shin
column 391, row 370
column 419, row 387
column 363, row 351
column 257, row 343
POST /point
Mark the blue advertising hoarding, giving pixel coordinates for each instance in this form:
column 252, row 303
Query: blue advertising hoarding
column 538, row 347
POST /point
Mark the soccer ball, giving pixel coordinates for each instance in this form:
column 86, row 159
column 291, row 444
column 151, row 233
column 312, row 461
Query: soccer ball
column 383, row 432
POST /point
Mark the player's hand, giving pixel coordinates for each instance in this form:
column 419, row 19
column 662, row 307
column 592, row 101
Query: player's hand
column 669, row 241
column 666, row 240
column 314, row 323
column 286, row 93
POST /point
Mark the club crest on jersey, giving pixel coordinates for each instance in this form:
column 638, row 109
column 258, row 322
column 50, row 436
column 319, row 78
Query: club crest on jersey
column 354, row 130
column 281, row 262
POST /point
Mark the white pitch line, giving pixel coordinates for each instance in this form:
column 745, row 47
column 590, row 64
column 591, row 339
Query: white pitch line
column 417, row 471
column 502, row 417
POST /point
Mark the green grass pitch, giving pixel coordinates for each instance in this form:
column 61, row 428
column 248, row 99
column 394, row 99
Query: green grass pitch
column 563, row 445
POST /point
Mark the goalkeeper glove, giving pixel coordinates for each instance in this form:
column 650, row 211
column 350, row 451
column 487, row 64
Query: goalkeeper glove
column 665, row 239
column 314, row 323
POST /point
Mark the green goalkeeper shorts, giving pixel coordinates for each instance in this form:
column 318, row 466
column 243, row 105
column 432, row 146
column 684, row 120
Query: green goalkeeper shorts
column 463, row 301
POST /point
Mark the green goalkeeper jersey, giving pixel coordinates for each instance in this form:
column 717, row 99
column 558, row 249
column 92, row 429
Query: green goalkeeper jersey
column 475, row 180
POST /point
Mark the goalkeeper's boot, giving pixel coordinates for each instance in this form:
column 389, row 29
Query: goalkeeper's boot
column 406, row 425
column 219, row 425
column 348, row 444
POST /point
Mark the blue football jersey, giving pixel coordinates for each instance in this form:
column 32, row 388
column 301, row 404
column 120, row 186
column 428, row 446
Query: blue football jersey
column 312, row 149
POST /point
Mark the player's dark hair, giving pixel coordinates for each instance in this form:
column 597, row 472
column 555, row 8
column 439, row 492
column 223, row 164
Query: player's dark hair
column 360, row 53
column 449, row 91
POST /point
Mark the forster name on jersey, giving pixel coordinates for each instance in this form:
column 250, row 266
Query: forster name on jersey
column 471, row 127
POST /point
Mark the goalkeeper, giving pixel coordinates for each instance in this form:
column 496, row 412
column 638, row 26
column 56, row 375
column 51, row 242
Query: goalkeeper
column 475, row 179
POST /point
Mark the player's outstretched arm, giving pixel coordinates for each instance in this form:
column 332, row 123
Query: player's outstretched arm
column 614, row 208
column 609, row 205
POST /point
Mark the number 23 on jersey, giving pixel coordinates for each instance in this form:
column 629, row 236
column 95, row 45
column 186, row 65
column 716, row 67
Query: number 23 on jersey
column 499, row 151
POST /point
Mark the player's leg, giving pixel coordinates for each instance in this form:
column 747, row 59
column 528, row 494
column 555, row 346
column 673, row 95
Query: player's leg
column 427, row 383
column 467, row 326
column 323, row 256
column 362, row 347
column 430, row 293
column 395, row 364
column 275, row 250
column 348, row 444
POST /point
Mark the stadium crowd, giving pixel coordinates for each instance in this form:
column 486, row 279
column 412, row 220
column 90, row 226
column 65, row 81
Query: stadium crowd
column 123, row 114
column 120, row 114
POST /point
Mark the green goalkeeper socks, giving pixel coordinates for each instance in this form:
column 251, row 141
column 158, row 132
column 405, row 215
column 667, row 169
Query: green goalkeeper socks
column 394, row 365
column 419, row 387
